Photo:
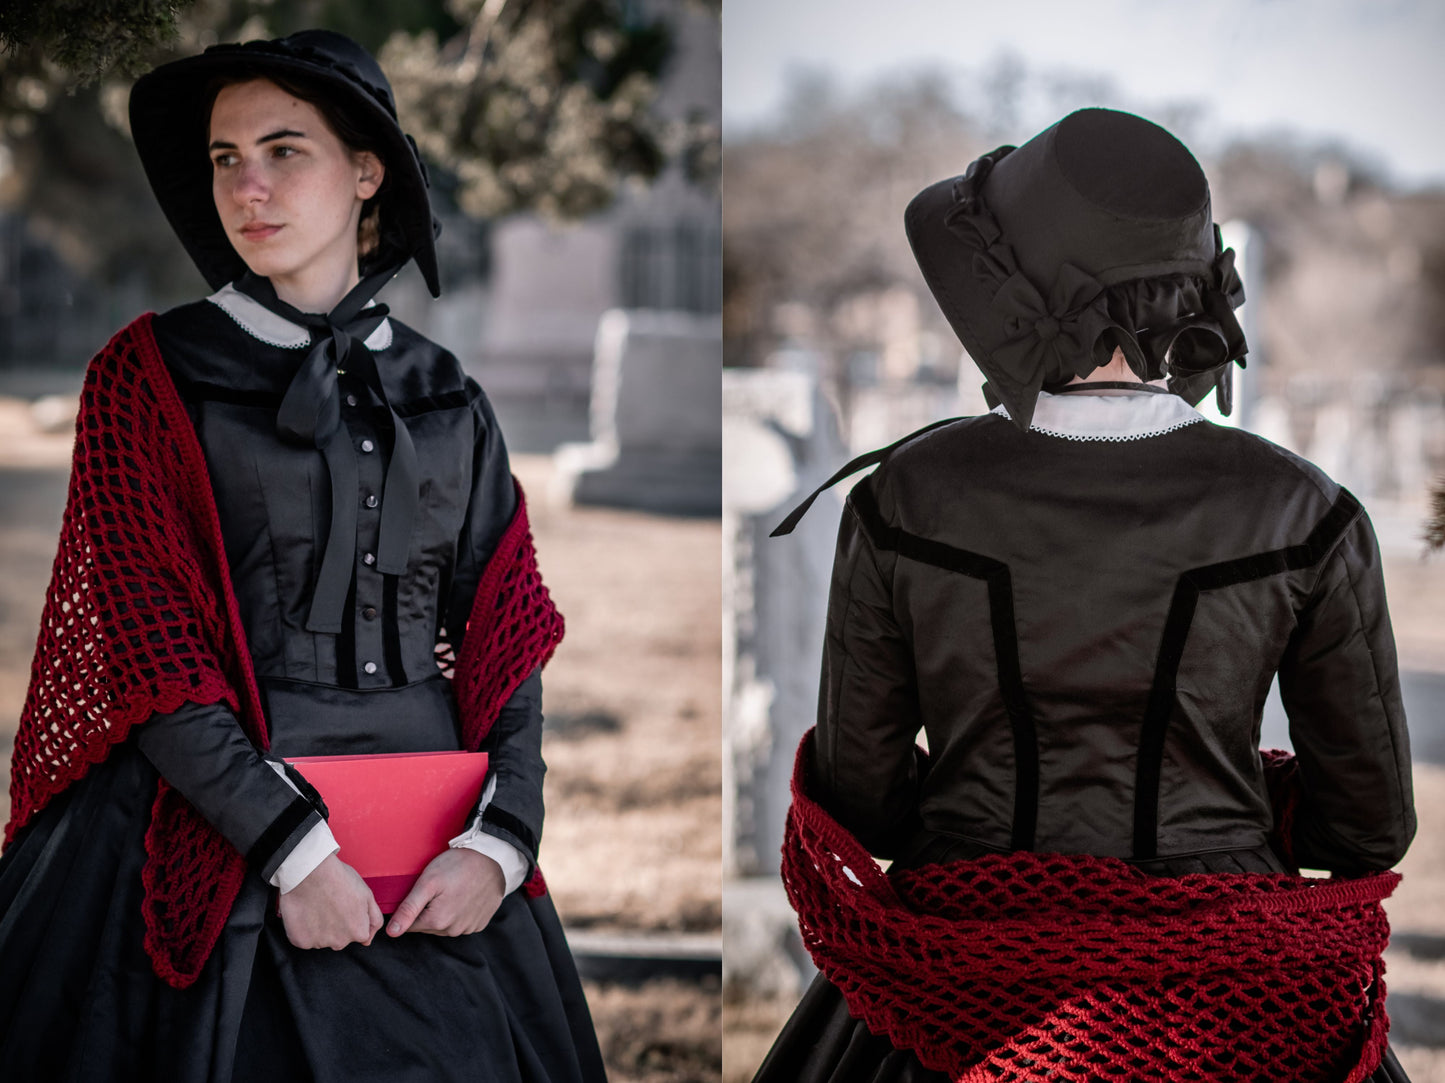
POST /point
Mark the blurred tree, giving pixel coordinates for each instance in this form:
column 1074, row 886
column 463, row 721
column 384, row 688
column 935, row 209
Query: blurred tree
column 539, row 105
column 860, row 159
column 90, row 38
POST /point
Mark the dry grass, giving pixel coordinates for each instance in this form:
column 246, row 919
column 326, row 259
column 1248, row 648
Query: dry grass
column 661, row 1032
column 749, row 1027
column 634, row 699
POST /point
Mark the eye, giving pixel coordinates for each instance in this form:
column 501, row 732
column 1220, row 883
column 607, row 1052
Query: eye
column 221, row 161
column 283, row 151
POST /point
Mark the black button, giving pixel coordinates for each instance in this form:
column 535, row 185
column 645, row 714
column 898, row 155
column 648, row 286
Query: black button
column 369, row 612
column 350, row 400
column 370, row 500
column 368, row 559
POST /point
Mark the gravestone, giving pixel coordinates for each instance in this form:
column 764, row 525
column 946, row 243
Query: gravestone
column 780, row 436
column 655, row 417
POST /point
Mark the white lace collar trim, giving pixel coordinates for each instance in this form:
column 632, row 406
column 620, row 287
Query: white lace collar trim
column 260, row 322
column 1122, row 415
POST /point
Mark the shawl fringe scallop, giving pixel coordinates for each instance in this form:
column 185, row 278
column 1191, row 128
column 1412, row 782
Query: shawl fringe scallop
column 140, row 617
column 1027, row 965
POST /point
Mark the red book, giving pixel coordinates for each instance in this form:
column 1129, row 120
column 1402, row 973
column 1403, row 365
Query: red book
column 391, row 814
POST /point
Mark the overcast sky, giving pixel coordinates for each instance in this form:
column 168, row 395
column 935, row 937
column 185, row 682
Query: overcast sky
column 1368, row 72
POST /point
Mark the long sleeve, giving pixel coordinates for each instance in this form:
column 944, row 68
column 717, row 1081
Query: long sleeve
column 868, row 714
column 1340, row 686
column 203, row 753
column 514, row 812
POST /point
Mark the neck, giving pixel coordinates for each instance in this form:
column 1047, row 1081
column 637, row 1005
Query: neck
column 317, row 289
column 1116, row 371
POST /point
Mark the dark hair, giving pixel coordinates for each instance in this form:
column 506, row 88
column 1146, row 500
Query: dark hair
column 379, row 242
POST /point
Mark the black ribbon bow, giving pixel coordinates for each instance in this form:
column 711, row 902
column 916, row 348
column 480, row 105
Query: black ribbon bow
column 310, row 415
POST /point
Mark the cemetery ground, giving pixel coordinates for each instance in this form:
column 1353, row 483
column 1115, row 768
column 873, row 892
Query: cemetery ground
column 632, row 841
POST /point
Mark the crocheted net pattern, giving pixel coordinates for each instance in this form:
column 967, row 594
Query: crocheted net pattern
column 514, row 627
column 1029, row 966
column 140, row 617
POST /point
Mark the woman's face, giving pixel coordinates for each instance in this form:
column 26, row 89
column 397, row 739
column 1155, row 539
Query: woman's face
column 288, row 191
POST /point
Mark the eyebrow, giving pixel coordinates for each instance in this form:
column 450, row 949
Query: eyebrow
column 284, row 133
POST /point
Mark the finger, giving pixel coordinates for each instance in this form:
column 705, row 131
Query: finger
column 374, row 919
column 422, row 892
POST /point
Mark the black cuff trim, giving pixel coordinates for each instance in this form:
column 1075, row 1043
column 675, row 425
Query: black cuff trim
column 281, row 829
column 308, row 791
column 513, row 826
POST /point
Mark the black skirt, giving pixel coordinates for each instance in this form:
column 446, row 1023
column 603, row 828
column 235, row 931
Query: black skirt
column 822, row 1043
column 80, row 1002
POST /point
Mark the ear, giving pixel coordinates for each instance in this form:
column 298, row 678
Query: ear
column 370, row 172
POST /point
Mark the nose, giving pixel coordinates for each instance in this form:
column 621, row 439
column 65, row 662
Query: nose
column 249, row 184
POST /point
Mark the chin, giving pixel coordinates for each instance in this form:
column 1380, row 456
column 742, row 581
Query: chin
column 268, row 265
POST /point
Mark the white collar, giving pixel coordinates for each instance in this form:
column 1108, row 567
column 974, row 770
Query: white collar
column 260, row 322
column 1127, row 415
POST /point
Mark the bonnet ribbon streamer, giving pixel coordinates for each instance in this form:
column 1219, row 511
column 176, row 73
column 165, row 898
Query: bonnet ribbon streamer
column 310, row 415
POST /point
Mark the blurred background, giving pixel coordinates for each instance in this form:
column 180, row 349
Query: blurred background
column 573, row 148
column 1316, row 125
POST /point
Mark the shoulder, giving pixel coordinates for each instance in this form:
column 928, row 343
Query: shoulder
column 429, row 377
column 1254, row 461
column 422, row 371
column 202, row 343
column 195, row 321
column 938, row 455
column 982, row 436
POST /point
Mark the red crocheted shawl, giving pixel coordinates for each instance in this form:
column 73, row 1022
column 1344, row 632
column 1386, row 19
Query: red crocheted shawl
column 141, row 617
column 1028, row 966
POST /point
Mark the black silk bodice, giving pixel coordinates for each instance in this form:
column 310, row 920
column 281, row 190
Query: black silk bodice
column 376, row 685
column 1086, row 631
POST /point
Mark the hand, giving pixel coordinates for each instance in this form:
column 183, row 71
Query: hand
column 331, row 908
column 457, row 893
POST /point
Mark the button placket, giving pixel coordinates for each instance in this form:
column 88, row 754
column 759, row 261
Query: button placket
column 371, row 475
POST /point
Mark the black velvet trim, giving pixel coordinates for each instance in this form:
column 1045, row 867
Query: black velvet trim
column 1190, row 585
column 203, row 391
column 513, row 826
column 265, row 847
column 996, row 575
column 390, row 633
column 346, row 641
column 425, row 404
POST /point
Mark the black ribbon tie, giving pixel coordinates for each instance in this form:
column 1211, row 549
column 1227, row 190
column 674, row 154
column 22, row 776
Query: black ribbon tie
column 310, row 415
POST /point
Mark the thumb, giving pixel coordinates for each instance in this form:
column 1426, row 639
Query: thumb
column 422, row 892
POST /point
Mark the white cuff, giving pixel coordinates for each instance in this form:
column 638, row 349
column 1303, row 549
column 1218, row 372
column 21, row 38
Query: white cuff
column 514, row 863
column 315, row 847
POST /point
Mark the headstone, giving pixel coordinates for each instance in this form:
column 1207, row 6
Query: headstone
column 655, row 416
column 780, row 436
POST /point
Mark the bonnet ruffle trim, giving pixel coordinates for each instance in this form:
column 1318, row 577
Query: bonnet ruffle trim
column 1179, row 326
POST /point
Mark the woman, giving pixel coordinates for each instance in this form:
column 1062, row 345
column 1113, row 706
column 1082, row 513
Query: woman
column 1082, row 598
column 287, row 512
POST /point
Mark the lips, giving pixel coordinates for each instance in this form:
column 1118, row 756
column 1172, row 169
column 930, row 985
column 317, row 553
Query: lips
column 258, row 231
